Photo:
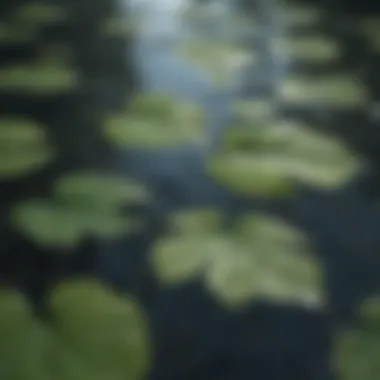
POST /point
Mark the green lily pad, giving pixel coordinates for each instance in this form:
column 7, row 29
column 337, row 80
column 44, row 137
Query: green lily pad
column 301, row 15
column 15, row 326
column 221, row 61
column 57, row 225
column 355, row 355
column 86, row 188
column 156, row 122
column 330, row 91
column 262, row 269
column 250, row 174
column 177, row 259
column 38, row 12
column 198, row 221
column 19, row 162
column 313, row 49
column 40, row 79
column 109, row 332
column 273, row 231
column 254, row 110
column 14, row 34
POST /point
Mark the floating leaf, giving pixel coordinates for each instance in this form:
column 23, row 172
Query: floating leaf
column 230, row 278
column 221, row 61
column 250, row 174
column 37, row 12
column 258, row 138
column 263, row 268
column 89, row 189
column 38, row 79
column 370, row 27
column 12, row 34
column 254, row 109
column 328, row 91
column 355, row 355
column 118, row 26
column 156, row 122
column 15, row 326
column 22, row 147
column 301, row 16
column 273, row 231
column 58, row 225
column 199, row 221
column 108, row 331
column 314, row 49
column 177, row 259
column 19, row 162
column 20, row 131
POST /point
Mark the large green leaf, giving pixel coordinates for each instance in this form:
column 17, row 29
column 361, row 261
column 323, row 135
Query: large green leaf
column 267, row 259
column 356, row 356
column 23, row 147
column 339, row 91
column 40, row 13
column 305, row 48
column 57, row 225
column 198, row 221
column 221, row 61
column 177, row 259
column 250, row 174
column 42, row 79
column 156, row 122
column 15, row 327
column 109, row 331
column 99, row 191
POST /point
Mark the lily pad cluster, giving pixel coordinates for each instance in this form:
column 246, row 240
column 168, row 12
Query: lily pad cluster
column 84, row 204
column 93, row 334
column 260, row 258
column 156, row 122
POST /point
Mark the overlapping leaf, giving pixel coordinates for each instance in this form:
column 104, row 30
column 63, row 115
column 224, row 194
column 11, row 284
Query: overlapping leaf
column 261, row 259
column 94, row 335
